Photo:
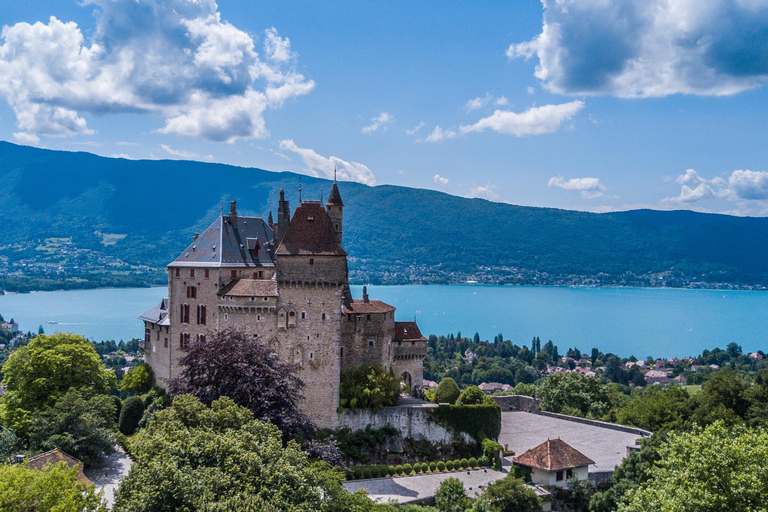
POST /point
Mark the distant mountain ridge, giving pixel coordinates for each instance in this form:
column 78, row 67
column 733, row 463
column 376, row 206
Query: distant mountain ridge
column 131, row 217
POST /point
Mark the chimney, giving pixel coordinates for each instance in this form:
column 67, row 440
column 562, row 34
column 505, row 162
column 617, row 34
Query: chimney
column 365, row 295
column 232, row 213
column 195, row 237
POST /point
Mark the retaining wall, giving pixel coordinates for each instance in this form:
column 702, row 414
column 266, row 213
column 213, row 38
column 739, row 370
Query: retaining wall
column 517, row 403
column 412, row 422
column 596, row 423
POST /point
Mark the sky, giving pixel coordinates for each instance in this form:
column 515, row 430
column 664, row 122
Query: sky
column 595, row 105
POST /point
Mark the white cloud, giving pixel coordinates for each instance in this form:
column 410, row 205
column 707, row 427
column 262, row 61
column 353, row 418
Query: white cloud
column 121, row 155
column 185, row 155
column 440, row 180
column 481, row 102
column 26, row 138
column 652, row 48
column 415, row 128
column 484, row 192
column 501, row 101
column 749, row 189
column 534, row 121
column 590, row 188
column 377, row 122
column 175, row 59
column 316, row 164
column 530, row 90
column 438, row 135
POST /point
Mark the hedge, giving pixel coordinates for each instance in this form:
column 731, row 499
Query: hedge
column 359, row 472
column 478, row 421
column 441, row 466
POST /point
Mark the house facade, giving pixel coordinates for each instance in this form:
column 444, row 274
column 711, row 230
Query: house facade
column 284, row 283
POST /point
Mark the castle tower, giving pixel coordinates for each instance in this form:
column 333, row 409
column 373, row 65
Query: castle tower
column 335, row 208
column 283, row 218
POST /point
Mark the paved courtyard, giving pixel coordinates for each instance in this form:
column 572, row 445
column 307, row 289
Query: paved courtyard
column 107, row 475
column 521, row 431
column 405, row 489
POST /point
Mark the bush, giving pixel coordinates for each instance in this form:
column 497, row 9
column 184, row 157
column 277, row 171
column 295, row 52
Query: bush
column 447, row 391
column 358, row 473
column 451, row 496
column 408, row 469
column 399, row 470
column 417, row 468
column 432, row 467
column 473, row 396
column 139, row 379
column 392, row 470
column 133, row 410
column 368, row 387
column 349, row 474
column 482, row 461
column 374, row 472
column 473, row 462
column 367, row 473
column 441, row 466
column 457, row 464
column 464, row 463
column 449, row 465
column 479, row 421
column 118, row 407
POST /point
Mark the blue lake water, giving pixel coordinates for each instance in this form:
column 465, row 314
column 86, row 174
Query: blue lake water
column 626, row 321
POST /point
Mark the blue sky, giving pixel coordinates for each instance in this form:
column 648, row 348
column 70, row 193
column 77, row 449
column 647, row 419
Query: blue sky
column 594, row 105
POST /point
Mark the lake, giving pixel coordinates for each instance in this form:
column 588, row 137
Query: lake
column 626, row 321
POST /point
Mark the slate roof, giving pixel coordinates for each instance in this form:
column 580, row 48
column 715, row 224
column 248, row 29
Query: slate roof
column 55, row 456
column 553, row 455
column 408, row 331
column 357, row 306
column 224, row 244
column 334, row 198
column 250, row 288
column 158, row 314
column 310, row 233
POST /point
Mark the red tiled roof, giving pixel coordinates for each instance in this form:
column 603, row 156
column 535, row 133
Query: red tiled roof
column 358, row 306
column 310, row 232
column 250, row 288
column 55, row 456
column 553, row 455
column 408, row 331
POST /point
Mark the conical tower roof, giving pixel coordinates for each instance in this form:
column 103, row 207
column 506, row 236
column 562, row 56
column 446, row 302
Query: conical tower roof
column 334, row 198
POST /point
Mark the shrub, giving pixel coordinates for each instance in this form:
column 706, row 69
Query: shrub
column 482, row 461
column 473, row 462
column 368, row 387
column 451, row 496
column 139, row 379
column 392, row 470
column 133, row 410
column 358, row 473
column 441, row 466
column 399, row 469
column 449, row 465
column 118, row 407
column 349, row 475
column 417, row 468
column 479, row 421
column 432, row 466
column 408, row 469
column 464, row 463
column 473, row 396
column 374, row 472
column 457, row 464
column 367, row 473
column 447, row 391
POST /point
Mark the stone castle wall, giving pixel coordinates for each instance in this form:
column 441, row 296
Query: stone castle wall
column 412, row 422
column 367, row 339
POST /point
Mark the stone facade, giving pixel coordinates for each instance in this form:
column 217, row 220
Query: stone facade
column 286, row 285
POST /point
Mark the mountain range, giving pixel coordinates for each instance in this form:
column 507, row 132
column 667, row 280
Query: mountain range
column 72, row 219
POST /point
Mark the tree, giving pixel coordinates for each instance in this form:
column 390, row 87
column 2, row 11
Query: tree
column 368, row 387
column 712, row 469
column 507, row 494
column 54, row 489
column 447, row 391
column 9, row 444
column 78, row 424
column 723, row 396
column 130, row 415
column 232, row 364
column 38, row 375
column 473, row 396
column 574, row 393
column 451, row 496
column 220, row 458
column 657, row 408
column 139, row 379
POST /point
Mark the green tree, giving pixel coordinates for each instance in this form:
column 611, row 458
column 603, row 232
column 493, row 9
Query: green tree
column 451, row 496
column 130, row 415
column 219, row 458
column 139, row 379
column 722, row 397
column 36, row 376
column 9, row 444
column 574, row 393
column 473, row 396
column 657, row 408
column 509, row 494
column 77, row 424
column 712, row 469
column 368, row 387
column 54, row 489
column 447, row 391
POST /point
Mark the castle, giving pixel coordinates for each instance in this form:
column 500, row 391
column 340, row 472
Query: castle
column 285, row 284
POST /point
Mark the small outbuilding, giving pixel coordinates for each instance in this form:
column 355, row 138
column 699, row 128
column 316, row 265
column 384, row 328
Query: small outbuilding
column 553, row 462
column 55, row 456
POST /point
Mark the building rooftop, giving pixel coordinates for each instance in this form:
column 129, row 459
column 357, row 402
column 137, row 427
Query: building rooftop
column 250, row 288
column 553, row 455
column 158, row 314
column 310, row 233
column 360, row 307
column 55, row 456
column 408, row 331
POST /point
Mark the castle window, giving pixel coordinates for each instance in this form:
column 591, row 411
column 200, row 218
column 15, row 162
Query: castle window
column 226, row 316
column 178, row 272
column 266, row 298
column 191, row 272
column 201, row 338
column 191, row 292
column 311, row 355
column 207, row 273
column 342, row 351
column 201, row 314
column 311, row 261
column 261, row 274
column 323, row 316
column 233, row 274
column 146, row 335
column 559, row 476
column 368, row 317
column 303, row 315
column 370, row 343
column 185, row 313
column 258, row 317
column 183, row 340
column 158, row 336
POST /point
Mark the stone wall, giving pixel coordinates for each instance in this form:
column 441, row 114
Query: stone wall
column 412, row 422
column 517, row 403
column 367, row 339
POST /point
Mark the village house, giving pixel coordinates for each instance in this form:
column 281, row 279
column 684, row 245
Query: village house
column 11, row 326
column 490, row 388
column 657, row 377
column 286, row 285
column 554, row 462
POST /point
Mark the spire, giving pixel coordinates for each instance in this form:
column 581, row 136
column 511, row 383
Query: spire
column 334, row 198
column 334, row 174
column 299, row 190
column 269, row 220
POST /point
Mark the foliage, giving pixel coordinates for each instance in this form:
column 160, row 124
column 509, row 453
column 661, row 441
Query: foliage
column 54, row 489
column 219, row 458
column 231, row 364
column 710, row 469
column 9, row 444
column 78, row 424
column 447, row 391
column 130, row 415
column 358, row 446
column 473, row 396
column 507, row 494
column 36, row 376
column 368, row 387
column 451, row 496
column 139, row 379
column 657, row 408
column 479, row 421
column 575, row 394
